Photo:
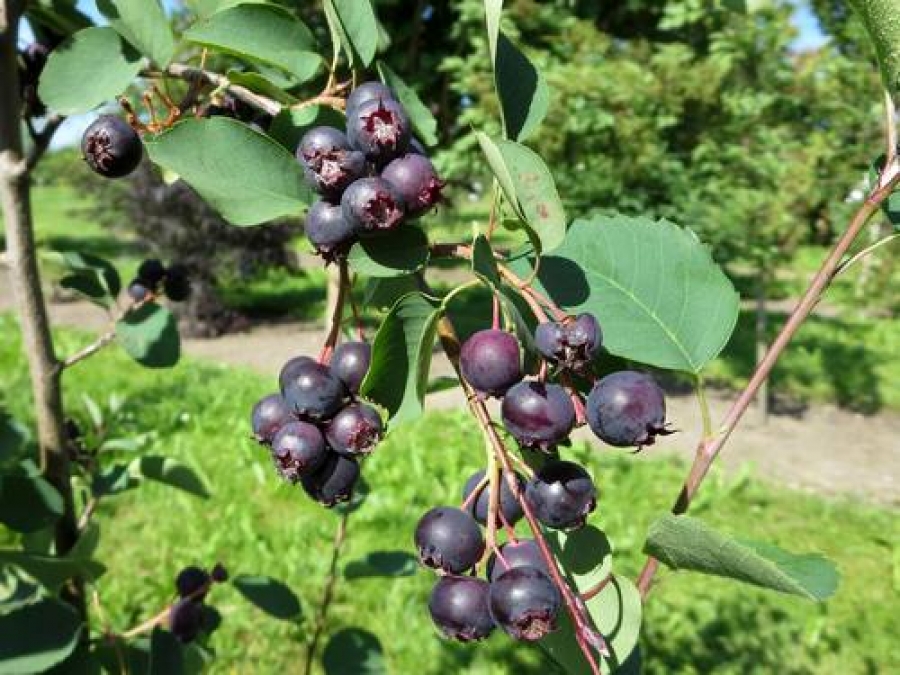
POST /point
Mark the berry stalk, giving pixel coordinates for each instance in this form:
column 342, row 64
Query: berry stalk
column 334, row 331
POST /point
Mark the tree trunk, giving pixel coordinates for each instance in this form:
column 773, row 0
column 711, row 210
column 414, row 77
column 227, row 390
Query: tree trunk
column 15, row 198
column 762, row 345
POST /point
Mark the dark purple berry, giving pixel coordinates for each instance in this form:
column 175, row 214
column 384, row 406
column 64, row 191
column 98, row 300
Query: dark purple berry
column 177, row 284
column 298, row 450
column 138, row 292
column 190, row 580
column 329, row 163
column 350, row 362
column 459, row 608
column 291, row 369
column 449, row 539
column 219, row 573
column 490, row 361
column 370, row 205
column 186, row 619
column 524, row 603
column 355, row 430
column 549, row 339
column 521, row 553
column 270, row 414
column 333, row 483
column 328, row 230
column 111, row 147
column 368, row 91
column 151, row 272
column 478, row 507
column 627, row 409
column 379, row 128
column 314, row 392
column 538, row 415
column 561, row 495
column 572, row 345
column 416, row 181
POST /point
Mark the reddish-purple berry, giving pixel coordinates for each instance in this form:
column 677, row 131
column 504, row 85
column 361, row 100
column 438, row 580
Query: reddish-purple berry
column 186, row 619
column 459, row 608
column 449, row 539
column 538, row 415
column 330, row 164
column 328, row 230
column 298, row 450
column 350, row 362
column 371, row 205
column 524, row 603
column 510, row 509
column 269, row 414
column 521, row 553
column 627, row 409
column 190, row 580
column 313, row 392
column 379, row 128
column 415, row 180
column 111, row 147
column 561, row 495
column 490, row 361
column 333, row 483
column 368, row 91
column 355, row 430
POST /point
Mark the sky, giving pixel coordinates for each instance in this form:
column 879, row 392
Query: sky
column 809, row 36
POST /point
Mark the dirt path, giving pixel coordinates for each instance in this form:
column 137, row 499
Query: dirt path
column 828, row 450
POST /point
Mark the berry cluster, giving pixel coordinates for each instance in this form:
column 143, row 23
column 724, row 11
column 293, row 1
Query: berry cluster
column 188, row 616
column 518, row 593
column 371, row 177
column 153, row 277
column 317, row 429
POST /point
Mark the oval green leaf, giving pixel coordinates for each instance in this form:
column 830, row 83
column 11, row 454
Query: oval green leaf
column 353, row 23
column 144, row 24
column 260, row 32
column 28, row 503
column 90, row 68
column 37, row 636
column 169, row 472
column 356, row 651
column 270, row 595
column 523, row 92
column 244, row 175
column 653, row 286
column 149, row 335
column 396, row 254
column 382, row 564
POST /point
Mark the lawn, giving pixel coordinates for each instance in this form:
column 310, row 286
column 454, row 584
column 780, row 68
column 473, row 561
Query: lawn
column 197, row 413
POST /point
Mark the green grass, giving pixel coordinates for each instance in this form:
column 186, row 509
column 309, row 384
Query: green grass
column 198, row 414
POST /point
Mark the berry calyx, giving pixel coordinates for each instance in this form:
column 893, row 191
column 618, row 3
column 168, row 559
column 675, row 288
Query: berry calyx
column 330, row 164
column 333, row 483
column 524, row 603
column 371, row 205
column 328, row 230
column 111, row 147
column 379, row 128
column 355, row 430
column 298, row 449
column 416, row 181
column 478, row 506
column 313, row 392
column 490, row 360
column 561, row 495
column 350, row 362
column 627, row 409
column 538, row 415
column 572, row 345
column 459, row 608
column 269, row 415
column 448, row 539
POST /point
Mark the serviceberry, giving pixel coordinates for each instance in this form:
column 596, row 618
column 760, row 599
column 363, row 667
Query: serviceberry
column 368, row 91
column 416, row 181
column 350, row 362
column 186, row 619
column 448, row 539
column 219, row 573
column 151, row 272
column 111, row 147
column 298, row 449
column 314, row 392
column 379, row 128
column 561, row 495
column 572, row 345
column 371, row 205
column 269, row 414
column 333, row 483
column 459, row 608
column 537, row 414
column 524, row 603
column 177, row 284
column 490, row 360
column 190, row 580
column 355, row 430
column 328, row 230
column 627, row 408
column 291, row 369
column 520, row 553
column 330, row 164
column 510, row 508
column 138, row 292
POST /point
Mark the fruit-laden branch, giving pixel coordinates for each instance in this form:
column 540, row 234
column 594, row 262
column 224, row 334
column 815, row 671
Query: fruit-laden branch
column 710, row 447
column 25, row 277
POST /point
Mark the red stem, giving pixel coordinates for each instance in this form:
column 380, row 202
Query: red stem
column 335, row 330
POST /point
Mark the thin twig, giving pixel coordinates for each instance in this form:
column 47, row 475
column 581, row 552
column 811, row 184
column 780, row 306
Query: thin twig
column 182, row 71
column 334, row 331
column 868, row 250
column 90, row 350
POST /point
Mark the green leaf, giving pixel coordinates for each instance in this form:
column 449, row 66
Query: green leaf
column 585, row 555
column 149, row 335
column 382, row 564
column 395, row 254
column 143, row 23
column 37, row 636
column 13, row 437
column 653, row 287
column 483, row 262
column 528, row 187
column 401, row 357
column 523, row 92
column 264, row 33
column 353, row 21
column 206, row 8
column 113, row 480
column 50, row 571
column 882, row 21
column 271, row 596
column 260, row 84
column 493, row 9
column 169, row 472
column 356, row 651
column 28, row 503
column 99, row 269
column 166, row 653
column 683, row 542
column 420, row 116
column 98, row 60
column 262, row 182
